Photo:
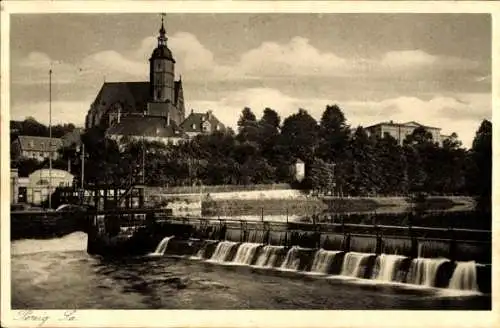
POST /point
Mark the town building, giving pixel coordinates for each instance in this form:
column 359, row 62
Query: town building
column 400, row 131
column 148, row 110
column 145, row 128
column 39, row 148
column 201, row 123
column 44, row 182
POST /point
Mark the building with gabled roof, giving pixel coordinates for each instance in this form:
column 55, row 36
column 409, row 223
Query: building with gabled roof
column 39, row 148
column 201, row 123
column 146, row 128
column 400, row 131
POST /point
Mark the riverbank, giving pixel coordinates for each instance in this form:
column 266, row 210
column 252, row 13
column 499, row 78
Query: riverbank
column 280, row 201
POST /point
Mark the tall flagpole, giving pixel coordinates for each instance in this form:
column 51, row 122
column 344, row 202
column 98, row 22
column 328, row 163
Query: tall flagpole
column 50, row 138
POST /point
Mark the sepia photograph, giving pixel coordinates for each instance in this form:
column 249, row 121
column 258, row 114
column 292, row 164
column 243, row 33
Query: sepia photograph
column 177, row 160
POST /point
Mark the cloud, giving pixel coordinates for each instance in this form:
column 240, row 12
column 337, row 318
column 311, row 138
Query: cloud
column 297, row 57
column 62, row 111
column 293, row 59
column 115, row 65
column 34, row 69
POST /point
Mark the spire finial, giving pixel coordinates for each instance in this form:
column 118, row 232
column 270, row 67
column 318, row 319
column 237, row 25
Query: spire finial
column 162, row 39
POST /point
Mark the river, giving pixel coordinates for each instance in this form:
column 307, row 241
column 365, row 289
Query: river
column 59, row 274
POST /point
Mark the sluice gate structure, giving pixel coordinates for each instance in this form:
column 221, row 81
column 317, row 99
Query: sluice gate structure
column 433, row 257
column 440, row 257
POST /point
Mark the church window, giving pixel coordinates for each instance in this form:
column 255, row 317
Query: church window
column 193, row 126
column 158, row 94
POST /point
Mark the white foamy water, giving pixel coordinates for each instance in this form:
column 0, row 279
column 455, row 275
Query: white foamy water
column 323, row 259
column 162, row 246
column 292, row 260
column 353, row 264
column 222, row 251
column 464, row 277
column 268, row 256
column 388, row 266
column 76, row 241
column 246, row 253
column 423, row 271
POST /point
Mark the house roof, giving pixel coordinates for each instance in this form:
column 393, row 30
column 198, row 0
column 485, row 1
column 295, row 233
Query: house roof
column 406, row 124
column 133, row 96
column 193, row 123
column 41, row 144
column 147, row 126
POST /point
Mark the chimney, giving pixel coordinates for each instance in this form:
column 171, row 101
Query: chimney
column 209, row 115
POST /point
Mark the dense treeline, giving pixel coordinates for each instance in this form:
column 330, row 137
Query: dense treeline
column 31, row 127
column 264, row 150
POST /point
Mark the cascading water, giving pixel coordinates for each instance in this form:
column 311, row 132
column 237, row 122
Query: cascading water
column 222, row 251
column 464, row 276
column 162, row 246
column 323, row 260
column 201, row 254
column 388, row 267
column 268, row 256
column 246, row 253
column 353, row 264
column 423, row 271
column 292, row 259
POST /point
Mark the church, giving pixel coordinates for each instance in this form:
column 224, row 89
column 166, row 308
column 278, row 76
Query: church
column 153, row 110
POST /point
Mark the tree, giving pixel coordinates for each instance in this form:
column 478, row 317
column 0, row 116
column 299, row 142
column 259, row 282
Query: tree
column 334, row 133
column 299, row 136
column 268, row 134
column 362, row 174
column 480, row 166
column 247, row 126
column 392, row 166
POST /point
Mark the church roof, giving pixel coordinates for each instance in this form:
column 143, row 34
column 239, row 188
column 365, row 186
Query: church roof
column 147, row 126
column 177, row 90
column 134, row 96
column 162, row 52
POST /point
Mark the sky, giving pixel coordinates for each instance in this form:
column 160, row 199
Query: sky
column 431, row 68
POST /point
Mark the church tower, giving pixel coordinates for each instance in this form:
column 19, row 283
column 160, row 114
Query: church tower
column 161, row 71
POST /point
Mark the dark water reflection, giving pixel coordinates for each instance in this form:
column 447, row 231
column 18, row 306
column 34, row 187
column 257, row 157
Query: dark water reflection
column 55, row 279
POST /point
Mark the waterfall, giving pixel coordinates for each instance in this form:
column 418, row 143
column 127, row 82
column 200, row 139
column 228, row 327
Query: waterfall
column 292, row 260
column 162, row 246
column 268, row 256
column 222, row 251
column 423, row 271
column 388, row 267
column 245, row 253
column 464, row 276
column 353, row 264
column 323, row 260
column 202, row 251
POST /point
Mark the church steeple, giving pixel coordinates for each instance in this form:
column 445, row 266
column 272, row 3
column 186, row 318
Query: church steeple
column 162, row 39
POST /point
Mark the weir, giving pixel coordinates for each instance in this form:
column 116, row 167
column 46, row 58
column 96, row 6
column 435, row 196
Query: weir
column 425, row 256
column 383, row 268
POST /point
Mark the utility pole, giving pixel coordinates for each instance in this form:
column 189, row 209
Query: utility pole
column 83, row 165
column 143, row 160
column 50, row 138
